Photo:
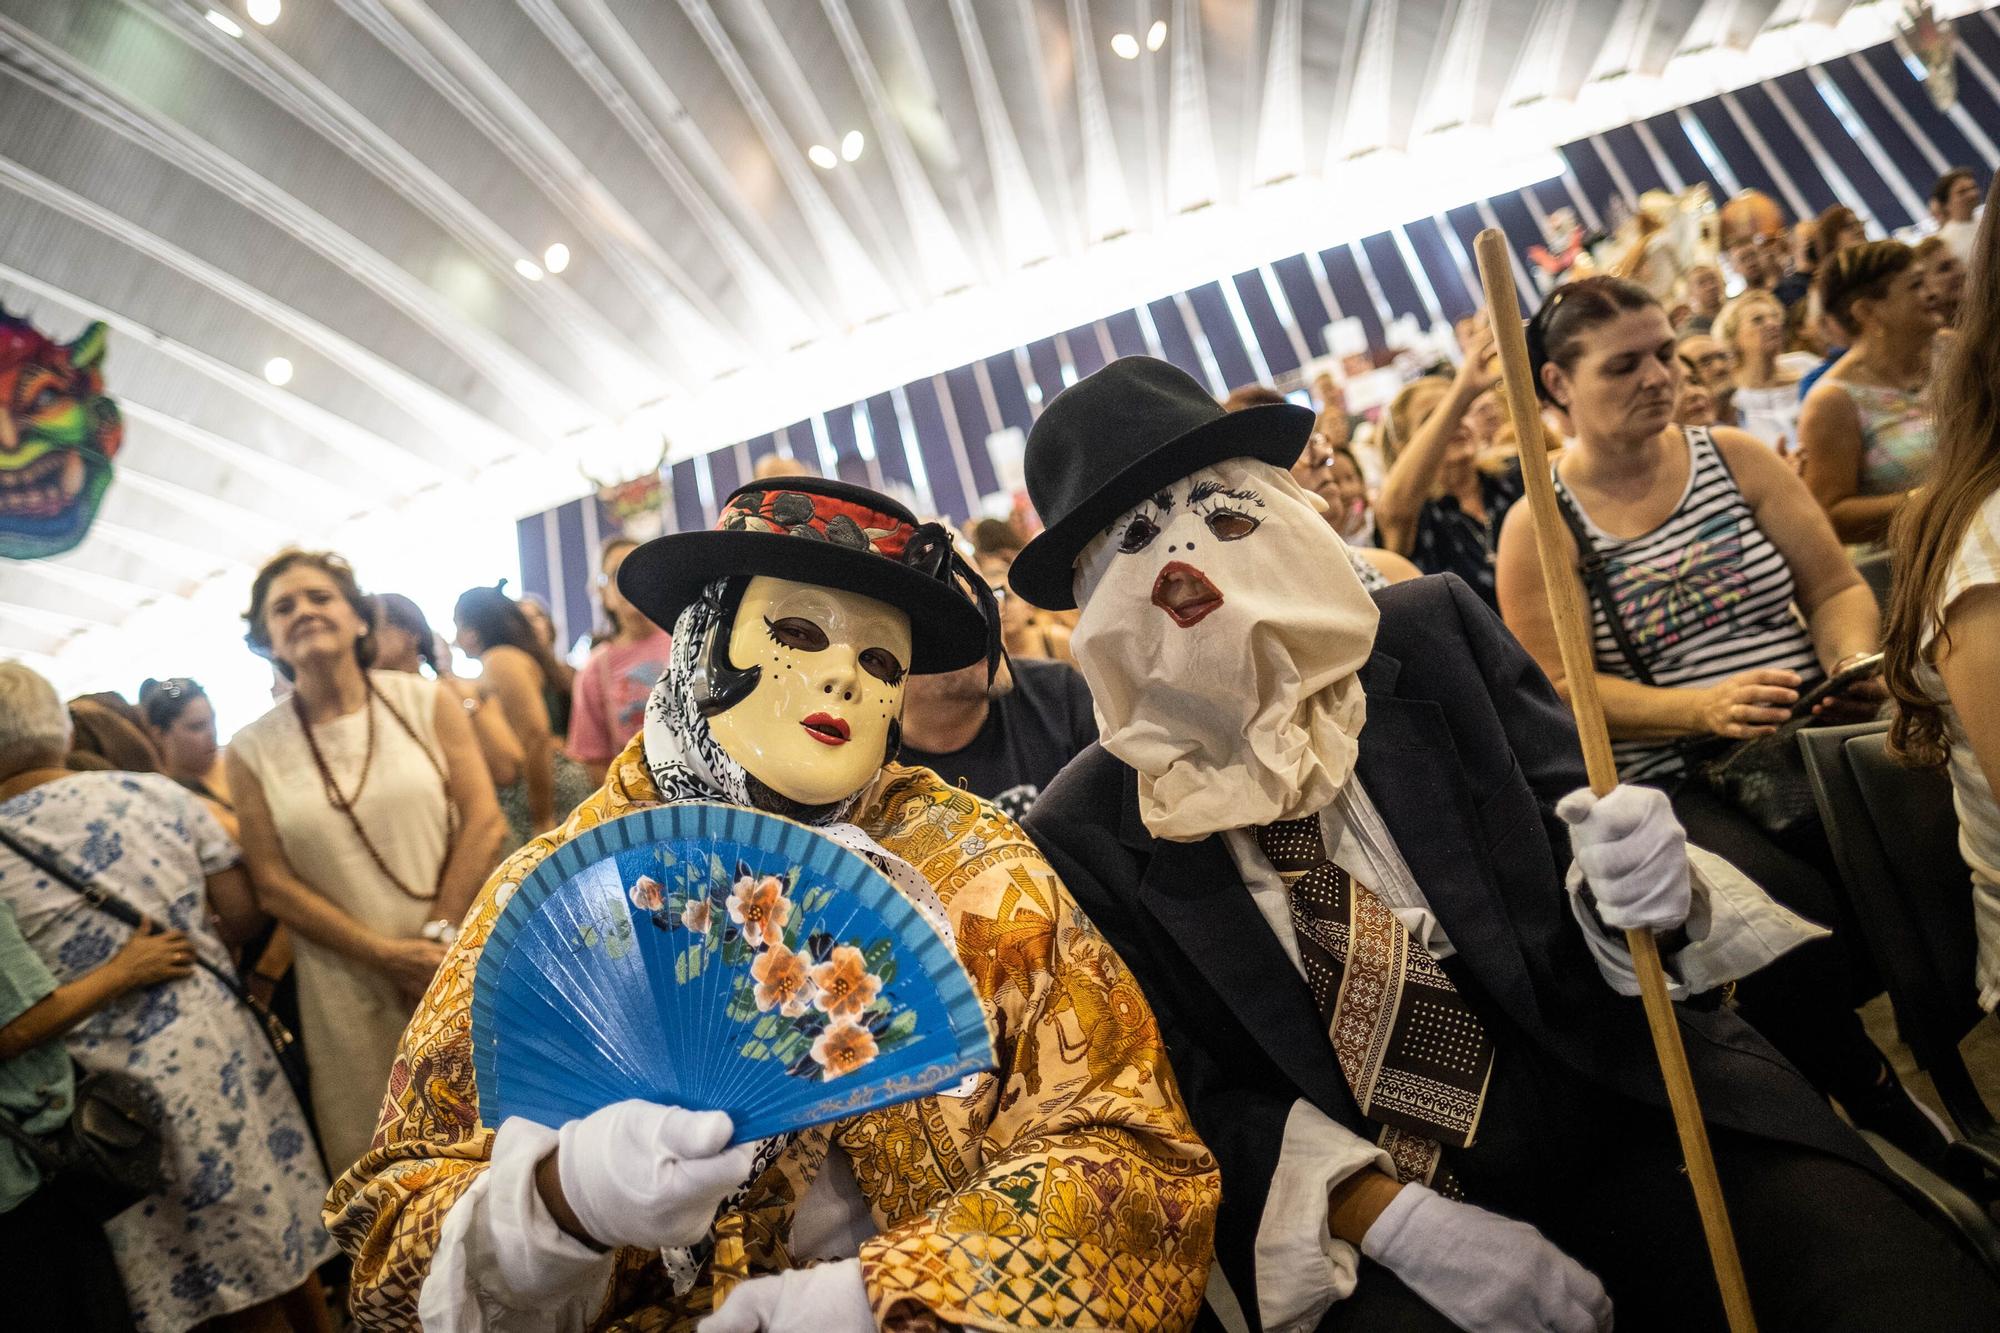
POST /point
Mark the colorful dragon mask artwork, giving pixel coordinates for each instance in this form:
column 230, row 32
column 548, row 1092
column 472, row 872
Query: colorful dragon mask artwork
column 58, row 432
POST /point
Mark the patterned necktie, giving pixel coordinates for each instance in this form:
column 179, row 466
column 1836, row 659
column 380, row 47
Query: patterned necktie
column 1416, row 1058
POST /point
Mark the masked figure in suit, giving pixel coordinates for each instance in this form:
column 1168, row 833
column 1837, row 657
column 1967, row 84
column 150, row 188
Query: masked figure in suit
column 1346, row 845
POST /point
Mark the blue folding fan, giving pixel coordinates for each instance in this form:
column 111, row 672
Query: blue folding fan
column 716, row 958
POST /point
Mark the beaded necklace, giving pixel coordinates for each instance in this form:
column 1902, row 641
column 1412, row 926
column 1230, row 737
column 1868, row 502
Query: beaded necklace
column 345, row 804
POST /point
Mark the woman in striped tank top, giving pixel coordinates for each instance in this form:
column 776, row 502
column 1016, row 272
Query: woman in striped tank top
column 1734, row 595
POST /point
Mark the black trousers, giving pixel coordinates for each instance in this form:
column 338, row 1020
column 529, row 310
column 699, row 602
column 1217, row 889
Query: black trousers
column 1804, row 1003
column 1826, row 1247
column 57, row 1272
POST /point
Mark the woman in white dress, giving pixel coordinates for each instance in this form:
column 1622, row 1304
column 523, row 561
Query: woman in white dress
column 368, row 825
column 234, row 1228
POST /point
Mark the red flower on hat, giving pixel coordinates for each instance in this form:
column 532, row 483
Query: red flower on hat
column 823, row 518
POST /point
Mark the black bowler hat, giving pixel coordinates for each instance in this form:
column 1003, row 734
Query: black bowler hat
column 1109, row 441
column 828, row 533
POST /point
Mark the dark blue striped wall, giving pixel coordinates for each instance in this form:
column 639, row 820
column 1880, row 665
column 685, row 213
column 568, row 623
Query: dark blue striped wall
column 1859, row 130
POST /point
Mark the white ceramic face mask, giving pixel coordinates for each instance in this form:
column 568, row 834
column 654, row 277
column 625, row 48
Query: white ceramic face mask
column 1221, row 631
column 830, row 686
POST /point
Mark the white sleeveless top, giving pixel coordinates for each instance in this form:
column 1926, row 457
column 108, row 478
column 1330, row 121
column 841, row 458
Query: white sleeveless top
column 352, row 1015
column 1976, row 564
column 402, row 805
column 1703, row 596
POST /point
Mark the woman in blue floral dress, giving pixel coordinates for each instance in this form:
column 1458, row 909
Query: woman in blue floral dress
column 237, row 1223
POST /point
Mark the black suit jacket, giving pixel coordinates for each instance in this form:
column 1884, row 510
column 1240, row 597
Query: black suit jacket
column 1465, row 752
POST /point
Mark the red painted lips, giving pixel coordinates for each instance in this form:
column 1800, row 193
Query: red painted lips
column 826, row 729
column 1185, row 594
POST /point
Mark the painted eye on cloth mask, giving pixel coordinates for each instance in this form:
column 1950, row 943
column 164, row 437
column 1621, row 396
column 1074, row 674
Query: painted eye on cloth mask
column 1231, row 525
column 1138, row 535
column 1225, row 521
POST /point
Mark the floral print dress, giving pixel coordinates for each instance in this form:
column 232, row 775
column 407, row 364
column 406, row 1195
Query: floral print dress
column 238, row 1220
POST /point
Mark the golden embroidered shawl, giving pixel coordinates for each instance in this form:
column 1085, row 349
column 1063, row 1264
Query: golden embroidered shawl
column 1068, row 1190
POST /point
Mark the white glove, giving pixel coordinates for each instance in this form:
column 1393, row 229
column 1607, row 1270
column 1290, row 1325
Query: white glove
column 642, row 1175
column 1484, row 1272
column 827, row 1298
column 1633, row 854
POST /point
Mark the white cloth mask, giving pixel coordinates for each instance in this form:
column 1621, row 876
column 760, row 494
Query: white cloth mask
column 1222, row 628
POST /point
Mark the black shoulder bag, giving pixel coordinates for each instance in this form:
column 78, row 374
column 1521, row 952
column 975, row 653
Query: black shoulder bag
column 1764, row 776
column 291, row 1061
column 106, row 1156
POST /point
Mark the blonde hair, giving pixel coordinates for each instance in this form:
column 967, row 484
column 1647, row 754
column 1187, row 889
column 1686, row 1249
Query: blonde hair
column 1731, row 315
column 1400, row 423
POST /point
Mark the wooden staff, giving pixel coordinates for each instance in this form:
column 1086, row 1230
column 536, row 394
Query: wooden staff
column 1573, row 633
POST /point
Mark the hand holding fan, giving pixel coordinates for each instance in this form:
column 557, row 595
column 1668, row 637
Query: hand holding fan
column 716, row 958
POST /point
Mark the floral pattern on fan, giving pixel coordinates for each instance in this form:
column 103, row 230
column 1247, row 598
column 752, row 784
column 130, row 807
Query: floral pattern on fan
column 818, row 1004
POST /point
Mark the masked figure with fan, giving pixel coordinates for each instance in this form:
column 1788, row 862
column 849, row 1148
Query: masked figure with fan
column 1064, row 1187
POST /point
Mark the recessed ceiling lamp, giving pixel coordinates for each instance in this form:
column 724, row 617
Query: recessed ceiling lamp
column 852, row 144
column 528, row 269
column 220, row 20
column 1156, row 36
column 1125, row 45
column 556, row 258
column 822, row 157
column 263, row 13
column 278, row 371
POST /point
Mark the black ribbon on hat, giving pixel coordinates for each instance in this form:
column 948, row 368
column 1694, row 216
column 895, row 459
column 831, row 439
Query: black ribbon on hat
column 931, row 552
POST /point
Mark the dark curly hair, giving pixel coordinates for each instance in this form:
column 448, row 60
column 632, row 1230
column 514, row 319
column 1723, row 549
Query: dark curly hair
column 1861, row 273
column 334, row 567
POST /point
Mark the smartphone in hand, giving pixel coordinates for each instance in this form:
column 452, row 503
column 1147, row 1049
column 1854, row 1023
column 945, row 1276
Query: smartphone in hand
column 1840, row 683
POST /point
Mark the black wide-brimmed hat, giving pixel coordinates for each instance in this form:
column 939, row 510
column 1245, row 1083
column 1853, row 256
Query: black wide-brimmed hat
column 1109, row 441
column 828, row 533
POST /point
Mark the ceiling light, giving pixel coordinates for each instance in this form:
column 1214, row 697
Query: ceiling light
column 556, row 257
column 822, row 157
column 278, row 371
column 263, row 13
column 852, row 144
column 224, row 22
column 528, row 269
column 1125, row 45
column 1156, row 36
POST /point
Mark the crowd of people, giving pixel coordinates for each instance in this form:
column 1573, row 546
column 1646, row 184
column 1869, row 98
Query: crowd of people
column 1779, row 479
